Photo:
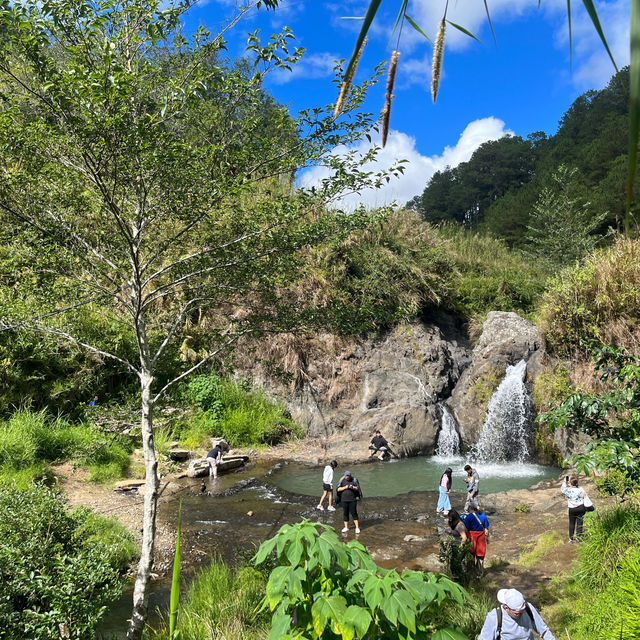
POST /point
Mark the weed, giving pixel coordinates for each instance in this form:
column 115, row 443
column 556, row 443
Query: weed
column 522, row 508
column 544, row 544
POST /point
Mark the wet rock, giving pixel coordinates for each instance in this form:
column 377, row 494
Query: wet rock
column 412, row 538
column 199, row 467
column 506, row 339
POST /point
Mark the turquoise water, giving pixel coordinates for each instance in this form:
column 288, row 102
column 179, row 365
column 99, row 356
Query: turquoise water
column 415, row 474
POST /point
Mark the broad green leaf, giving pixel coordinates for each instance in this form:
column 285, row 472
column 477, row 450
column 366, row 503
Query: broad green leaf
column 634, row 108
column 465, row 31
column 417, row 28
column 373, row 591
column 276, row 584
column 325, row 609
column 265, row 549
column 294, row 552
column 280, row 624
column 449, row 633
column 359, row 618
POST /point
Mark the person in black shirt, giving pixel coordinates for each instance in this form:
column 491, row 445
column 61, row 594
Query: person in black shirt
column 348, row 494
column 378, row 445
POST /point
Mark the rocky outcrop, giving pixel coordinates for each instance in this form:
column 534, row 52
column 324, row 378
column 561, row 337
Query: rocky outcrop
column 506, row 339
column 394, row 383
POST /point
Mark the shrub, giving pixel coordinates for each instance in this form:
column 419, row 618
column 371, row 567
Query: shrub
column 56, row 576
column 486, row 384
column 614, row 482
column 325, row 588
column 597, row 300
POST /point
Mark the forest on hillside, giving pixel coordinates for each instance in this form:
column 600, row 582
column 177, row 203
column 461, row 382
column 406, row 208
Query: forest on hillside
column 533, row 191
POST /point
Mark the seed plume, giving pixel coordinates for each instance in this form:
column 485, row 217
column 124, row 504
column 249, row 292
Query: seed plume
column 385, row 116
column 438, row 53
column 346, row 83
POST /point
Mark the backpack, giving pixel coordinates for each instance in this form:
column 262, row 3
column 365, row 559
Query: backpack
column 527, row 608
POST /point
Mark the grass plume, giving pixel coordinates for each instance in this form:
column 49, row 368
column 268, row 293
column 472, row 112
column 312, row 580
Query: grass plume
column 346, row 83
column 438, row 54
column 386, row 111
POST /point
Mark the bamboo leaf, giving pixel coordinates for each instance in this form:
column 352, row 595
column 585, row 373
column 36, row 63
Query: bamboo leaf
column 403, row 8
column 417, row 28
column 570, row 33
column 467, row 33
column 493, row 33
column 175, row 582
column 366, row 25
column 634, row 108
column 593, row 14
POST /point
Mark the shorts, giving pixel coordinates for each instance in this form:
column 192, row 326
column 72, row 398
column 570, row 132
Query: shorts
column 377, row 448
column 327, row 487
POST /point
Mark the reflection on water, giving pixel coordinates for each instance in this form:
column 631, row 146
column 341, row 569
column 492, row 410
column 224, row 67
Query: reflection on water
column 416, row 474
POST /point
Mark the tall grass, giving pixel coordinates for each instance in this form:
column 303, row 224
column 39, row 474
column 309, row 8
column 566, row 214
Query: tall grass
column 231, row 409
column 598, row 299
column 489, row 276
column 29, row 440
column 601, row 600
column 221, row 604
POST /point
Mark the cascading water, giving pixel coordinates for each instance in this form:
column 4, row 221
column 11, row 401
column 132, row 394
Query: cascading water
column 505, row 432
column 448, row 438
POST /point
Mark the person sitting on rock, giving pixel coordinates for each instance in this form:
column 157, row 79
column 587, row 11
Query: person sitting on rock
column 514, row 619
column 378, row 445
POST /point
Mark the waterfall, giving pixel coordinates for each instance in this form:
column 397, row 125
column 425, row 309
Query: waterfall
column 505, row 432
column 448, row 438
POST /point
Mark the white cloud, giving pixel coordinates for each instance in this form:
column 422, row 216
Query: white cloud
column 419, row 169
column 316, row 65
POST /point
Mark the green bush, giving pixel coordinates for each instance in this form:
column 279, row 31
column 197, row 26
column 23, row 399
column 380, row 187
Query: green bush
column 231, row 409
column 614, row 482
column 58, row 569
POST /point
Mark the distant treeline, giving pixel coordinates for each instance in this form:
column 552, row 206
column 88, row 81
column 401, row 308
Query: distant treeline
column 498, row 189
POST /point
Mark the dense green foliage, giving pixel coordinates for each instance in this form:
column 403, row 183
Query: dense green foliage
column 610, row 417
column 29, row 440
column 325, row 588
column 58, row 569
column 232, row 409
column 601, row 601
column 499, row 188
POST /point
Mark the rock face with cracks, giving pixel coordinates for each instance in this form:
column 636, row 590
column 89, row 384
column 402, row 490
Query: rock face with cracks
column 393, row 383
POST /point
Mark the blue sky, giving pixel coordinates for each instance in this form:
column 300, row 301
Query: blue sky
column 524, row 83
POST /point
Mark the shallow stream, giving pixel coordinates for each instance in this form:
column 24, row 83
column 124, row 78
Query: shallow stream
column 244, row 508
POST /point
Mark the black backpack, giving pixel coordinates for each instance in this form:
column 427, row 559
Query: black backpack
column 527, row 608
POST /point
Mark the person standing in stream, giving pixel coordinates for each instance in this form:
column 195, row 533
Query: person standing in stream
column 348, row 493
column 214, row 458
column 473, row 486
column 327, row 486
column 444, row 504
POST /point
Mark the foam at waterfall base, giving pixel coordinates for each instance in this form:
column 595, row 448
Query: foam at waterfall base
column 491, row 469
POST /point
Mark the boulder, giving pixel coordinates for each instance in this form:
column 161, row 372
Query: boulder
column 351, row 387
column 179, row 455
column 199, row 467
column 506, row 339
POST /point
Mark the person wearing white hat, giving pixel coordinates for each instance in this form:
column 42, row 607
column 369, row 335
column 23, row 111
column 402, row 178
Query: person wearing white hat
column 514, row 619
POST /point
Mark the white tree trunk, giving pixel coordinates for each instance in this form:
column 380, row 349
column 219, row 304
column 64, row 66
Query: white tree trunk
column 140, row 591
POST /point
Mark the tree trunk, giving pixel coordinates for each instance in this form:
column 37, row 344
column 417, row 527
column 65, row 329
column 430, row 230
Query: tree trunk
column 140, row 590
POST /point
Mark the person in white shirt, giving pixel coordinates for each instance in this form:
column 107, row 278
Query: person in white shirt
column 575, row 502
column 514, row 619
column 327, row 486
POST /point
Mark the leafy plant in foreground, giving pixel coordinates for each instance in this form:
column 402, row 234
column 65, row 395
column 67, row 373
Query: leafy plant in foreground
column 325, row 588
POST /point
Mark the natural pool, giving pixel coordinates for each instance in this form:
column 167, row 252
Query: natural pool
column 416, row 474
